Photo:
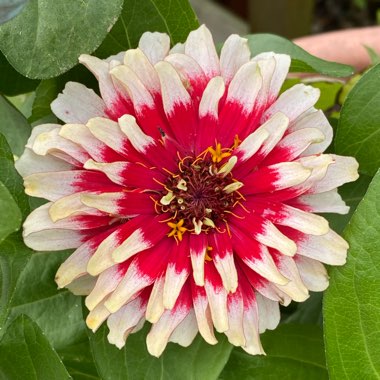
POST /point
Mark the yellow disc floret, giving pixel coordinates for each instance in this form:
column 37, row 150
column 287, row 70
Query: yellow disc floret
column 177, row 229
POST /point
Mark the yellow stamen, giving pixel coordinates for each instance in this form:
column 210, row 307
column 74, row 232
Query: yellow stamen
column 207, row 256
column 237, row 141
column 177, row 229
column 217, row 154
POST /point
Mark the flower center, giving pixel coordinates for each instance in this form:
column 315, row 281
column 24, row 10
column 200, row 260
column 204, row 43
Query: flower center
column 202, row 194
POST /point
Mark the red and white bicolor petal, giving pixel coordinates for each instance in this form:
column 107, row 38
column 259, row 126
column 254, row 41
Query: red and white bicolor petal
column 189, row 190
column 169, row 321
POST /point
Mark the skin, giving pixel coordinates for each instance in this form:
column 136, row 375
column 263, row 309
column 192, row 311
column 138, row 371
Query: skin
column 344, row 46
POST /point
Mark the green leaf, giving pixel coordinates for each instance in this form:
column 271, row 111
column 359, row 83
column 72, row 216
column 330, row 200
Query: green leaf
column 23, row 102
column 358, row 132
column 176, row 18
column 302, row 61
column 47, row 38
column 25, row 353
column 78, row 360
column 57, row 312
column 308, row 312
column 10, row 220
column 352, row 302
column 46, row 92
column 373, row 55
column 199, row 361
column 10, row 178
column 293, row 352
column 329, row 94
column 13, row 126
column 14, row 256
column 12, row 82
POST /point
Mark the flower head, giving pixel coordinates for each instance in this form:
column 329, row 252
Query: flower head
column 189, row 190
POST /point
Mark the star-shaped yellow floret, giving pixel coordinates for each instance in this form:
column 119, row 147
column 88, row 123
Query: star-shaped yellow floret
column 217, row 154
column 177, row 229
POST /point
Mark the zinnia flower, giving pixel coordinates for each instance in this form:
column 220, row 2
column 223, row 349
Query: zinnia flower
column 189, row 191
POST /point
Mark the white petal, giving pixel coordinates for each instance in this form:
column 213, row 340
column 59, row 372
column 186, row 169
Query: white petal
column 211, row 97
column 295, row 288
column 173, row 285
column 273, row 238
column 172, row 88
column 155, row 46
column 303, row 221
column 106, row 283
column 245, row 86
column 30, row 163
column 77, row 104
column 51, row 185
column 329, row 248
column 313, row 273
column 251, row 331
column 265, row 266
column 97, row 316
column 132, row 282
column 135, row 243
column 188, row 69
column 160, row 332
column 269, row 313
column 155, row 307
column 227, row 270
column 139, row 94
column 102, row 258
column 235, row 332
column 136, row 136
column 123, row 321
column 217, row 299
column 39, row 220
column 186, row 331
column 290, row 174
column 273, row 293
column 203, row 315
column 276, row 126
column 343, row 170
column 68, row 205
column 266, row 137
column 329, row 201
column 143, row 68
column 235, row 53
column 282, row 64
column 298, row 141
column 294, row 101
column 101, row 69
column 200, row 46
column 54, row 240
column 267, row 68
column 108, row 132
column 51, row 142
column 197, row 262
column 314, row 119
column 178, row 48
column 74, row 266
